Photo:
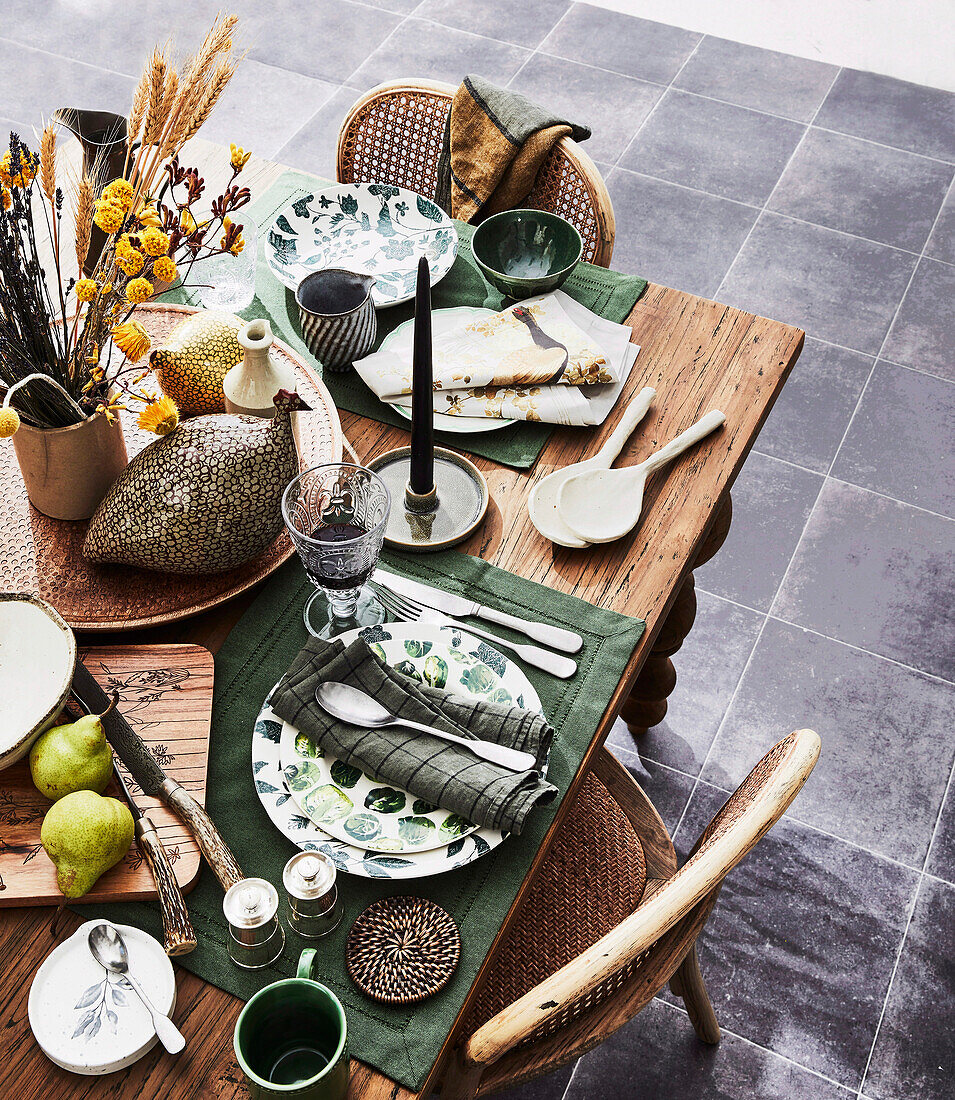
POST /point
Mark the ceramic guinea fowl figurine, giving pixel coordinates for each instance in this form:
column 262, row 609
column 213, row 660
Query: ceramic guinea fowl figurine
column 204, row 498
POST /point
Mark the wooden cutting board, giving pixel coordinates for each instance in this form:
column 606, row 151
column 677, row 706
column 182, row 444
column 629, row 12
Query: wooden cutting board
column 165, row 693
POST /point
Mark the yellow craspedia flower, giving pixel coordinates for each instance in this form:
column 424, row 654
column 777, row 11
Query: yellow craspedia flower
column 138, row 290
column 131, row 339
column 85, row 290
column 109, row 216
column 160, row 416
column 9, row 422
column 130, row 261
column 239, row 157
column 165, row 268
column 155, row 242
column 6, row 198
column 119, row 191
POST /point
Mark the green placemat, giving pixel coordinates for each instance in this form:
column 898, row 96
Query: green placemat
column 401, row 1042
column 608, row 293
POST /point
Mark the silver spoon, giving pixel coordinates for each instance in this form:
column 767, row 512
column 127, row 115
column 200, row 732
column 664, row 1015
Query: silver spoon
column 109, row 949
column 350, row 704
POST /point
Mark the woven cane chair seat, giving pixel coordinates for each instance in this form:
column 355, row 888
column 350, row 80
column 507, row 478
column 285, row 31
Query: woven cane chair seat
column 393, row 135
column 594, row 876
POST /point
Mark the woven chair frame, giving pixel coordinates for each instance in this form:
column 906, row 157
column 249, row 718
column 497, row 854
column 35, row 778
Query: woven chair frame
column 604, row 986
column 393, row 135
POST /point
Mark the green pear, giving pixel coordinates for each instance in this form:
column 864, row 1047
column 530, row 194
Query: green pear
column 74, row 757
column 85, row 834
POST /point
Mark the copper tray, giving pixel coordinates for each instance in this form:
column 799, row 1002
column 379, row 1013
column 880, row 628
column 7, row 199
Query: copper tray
column 44, row 556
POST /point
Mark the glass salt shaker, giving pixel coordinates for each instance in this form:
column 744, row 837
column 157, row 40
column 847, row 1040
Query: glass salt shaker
column 256, row 938
column 314, row 908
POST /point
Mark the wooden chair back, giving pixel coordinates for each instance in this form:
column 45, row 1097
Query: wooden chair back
column 664, row 926
column 393, row 135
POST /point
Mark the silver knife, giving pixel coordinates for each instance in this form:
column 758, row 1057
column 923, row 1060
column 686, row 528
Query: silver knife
column 554, row 636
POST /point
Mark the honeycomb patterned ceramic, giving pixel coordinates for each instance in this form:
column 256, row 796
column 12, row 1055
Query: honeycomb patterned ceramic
column 203, row 499
column 199, row 352
column 44, row 556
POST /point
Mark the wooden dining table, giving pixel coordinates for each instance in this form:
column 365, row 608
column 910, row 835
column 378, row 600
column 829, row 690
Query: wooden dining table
column 698, row 355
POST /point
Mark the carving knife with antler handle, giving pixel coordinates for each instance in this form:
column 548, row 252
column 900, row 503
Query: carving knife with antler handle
column 130, row 749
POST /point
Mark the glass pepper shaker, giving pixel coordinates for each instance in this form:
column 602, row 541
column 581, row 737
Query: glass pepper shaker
column 256, row 938
column 314, row 908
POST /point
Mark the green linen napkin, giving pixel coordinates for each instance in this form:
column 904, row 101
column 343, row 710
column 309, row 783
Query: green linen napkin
column 401, row 1041
column 608, row 293
column 441, row 773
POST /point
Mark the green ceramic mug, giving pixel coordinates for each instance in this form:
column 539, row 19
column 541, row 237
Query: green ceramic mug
column 291, row 1039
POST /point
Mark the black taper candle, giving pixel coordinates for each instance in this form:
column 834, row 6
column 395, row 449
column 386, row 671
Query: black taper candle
column 421, row 479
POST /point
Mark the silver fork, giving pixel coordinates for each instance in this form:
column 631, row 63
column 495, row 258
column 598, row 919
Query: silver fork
column 404, row 607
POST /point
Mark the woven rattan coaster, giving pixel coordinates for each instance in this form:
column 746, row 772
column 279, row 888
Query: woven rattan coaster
column 402, row 950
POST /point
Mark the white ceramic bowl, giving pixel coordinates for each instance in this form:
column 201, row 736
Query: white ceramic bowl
column 37, row 657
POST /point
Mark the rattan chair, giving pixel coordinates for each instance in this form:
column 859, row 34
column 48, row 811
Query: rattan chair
column 393, row 135
column 610, row 920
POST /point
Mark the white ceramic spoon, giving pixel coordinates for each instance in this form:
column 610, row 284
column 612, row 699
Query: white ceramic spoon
column 602, row 505
column 542, row 503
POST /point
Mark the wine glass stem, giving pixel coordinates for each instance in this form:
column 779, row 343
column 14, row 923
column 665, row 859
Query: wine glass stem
column 342, row 603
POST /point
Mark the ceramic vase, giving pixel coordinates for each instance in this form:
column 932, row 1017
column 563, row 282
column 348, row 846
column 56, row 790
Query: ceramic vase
column 68, row 471
column 250, row 387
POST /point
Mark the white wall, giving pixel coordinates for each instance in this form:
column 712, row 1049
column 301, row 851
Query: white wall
column 909, row 39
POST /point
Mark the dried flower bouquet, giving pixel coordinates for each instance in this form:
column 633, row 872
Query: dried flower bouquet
column 57, row 332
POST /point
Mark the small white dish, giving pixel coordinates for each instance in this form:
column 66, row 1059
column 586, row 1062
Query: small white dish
column 37, row 657
column 89, row 1021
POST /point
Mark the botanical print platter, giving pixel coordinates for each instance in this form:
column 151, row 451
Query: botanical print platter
column 359, row 809
column 369, row 228
column 352, row 858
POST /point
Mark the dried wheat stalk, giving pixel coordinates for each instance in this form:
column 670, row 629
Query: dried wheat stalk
column 84, row 221
column 48, row 162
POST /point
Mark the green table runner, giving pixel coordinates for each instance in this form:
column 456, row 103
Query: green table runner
column 401, row 1042
column 608, row 293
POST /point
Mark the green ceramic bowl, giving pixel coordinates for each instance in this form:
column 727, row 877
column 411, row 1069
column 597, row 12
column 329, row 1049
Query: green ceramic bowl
column 526, row 252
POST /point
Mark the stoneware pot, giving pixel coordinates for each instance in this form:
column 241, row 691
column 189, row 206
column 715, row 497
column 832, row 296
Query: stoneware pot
column 250, row 387
column 67, row 471
column 337, row 315
column 37, row 656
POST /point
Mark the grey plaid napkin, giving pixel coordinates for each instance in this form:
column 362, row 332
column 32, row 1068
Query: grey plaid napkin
column 446, row 775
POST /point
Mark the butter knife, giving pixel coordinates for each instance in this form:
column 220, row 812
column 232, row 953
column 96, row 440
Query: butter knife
column 554, row 636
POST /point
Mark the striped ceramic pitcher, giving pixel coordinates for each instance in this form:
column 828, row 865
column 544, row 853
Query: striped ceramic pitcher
column 337, row 316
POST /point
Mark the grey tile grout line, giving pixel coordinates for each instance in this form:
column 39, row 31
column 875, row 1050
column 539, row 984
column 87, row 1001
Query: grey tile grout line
column 666, row 87
column 758, row 1046
column 765, row 209
column 536, row 49
column 785, row 169
column 908, row 924
column 762, row 626
column 882, row 346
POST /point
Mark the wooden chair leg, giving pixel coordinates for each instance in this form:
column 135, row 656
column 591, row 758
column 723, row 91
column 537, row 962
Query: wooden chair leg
column 687, row 983
column 647, row 704
column 461, row 1079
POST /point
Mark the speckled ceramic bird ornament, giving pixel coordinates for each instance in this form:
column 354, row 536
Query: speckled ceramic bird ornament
column 203, row 499
column 197, row 355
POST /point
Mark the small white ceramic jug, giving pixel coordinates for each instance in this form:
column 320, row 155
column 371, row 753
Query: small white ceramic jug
column 251, row 385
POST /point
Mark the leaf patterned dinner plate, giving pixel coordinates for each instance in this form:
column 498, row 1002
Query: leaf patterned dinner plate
column 273, row 793
column 370, row 228
column 361, row 810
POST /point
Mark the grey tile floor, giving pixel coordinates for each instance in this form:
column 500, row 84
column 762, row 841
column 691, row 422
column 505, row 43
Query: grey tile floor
column 819, row 196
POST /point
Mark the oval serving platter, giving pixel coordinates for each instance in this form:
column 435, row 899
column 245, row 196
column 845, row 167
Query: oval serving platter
column 358, row 809
column 45, row 556
column 371, row 228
